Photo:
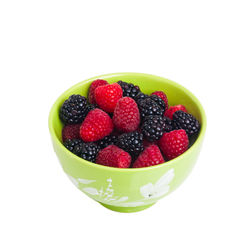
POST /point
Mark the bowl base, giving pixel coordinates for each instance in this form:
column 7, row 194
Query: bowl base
column 126, row 209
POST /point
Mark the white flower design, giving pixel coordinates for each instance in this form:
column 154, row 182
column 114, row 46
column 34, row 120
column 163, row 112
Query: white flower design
column 107, row 193
column 160, row 188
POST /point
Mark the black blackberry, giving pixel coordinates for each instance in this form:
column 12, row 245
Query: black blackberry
column 89, row 151
column 90, row 107
column 183, row 120
column 149, row 107
column 153, row 127
column 141, row 96
column 159, row 101
column 74, row 145
column 73, row 109
column 129, row 89
column 131, row 142
column 107, row 140
column 168, row 124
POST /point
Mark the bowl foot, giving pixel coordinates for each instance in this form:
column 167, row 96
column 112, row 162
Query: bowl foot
column 126, row 209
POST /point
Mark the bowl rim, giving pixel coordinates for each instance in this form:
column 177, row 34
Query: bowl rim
column 131, row 170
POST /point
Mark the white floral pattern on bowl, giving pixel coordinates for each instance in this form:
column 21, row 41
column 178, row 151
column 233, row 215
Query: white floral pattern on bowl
column 107, row 194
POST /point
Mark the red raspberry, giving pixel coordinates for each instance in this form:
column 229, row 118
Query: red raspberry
column 174, row 143
column 113, row 156
column 96, row 125
column 126, row 116
column 163, row 96
column 71, row 132
column 107, row 96
column 169, row 112
column 95, row 84
column 149, row 157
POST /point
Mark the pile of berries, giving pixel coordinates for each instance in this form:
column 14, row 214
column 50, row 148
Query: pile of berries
column 118, row 125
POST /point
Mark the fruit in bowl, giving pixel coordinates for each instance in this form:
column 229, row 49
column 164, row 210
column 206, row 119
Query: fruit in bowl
column 127, row 139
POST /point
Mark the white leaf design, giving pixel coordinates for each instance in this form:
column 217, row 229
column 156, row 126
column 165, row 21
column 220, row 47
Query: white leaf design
column 165, row 179
column 147, row 190
column 74, row 181
column 124, row 198
column 85, row 181
column 161, row 191
column 90, row 190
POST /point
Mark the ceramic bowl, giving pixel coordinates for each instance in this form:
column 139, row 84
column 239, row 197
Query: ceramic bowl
column 129, row 190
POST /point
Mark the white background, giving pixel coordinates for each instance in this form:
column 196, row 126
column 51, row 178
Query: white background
column 47, row 46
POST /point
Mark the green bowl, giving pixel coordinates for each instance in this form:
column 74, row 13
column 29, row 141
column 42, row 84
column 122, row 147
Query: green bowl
column 129, row 190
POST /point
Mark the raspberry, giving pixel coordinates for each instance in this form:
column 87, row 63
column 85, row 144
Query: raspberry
column 169, row 112
column 96, row 125
column 107, row 96
column 107, row 140
column 131, row 143
column 129, row 89
column 126, row 116
column 183, row 120
column 163, row 96
column 71, row 131
column 174, row 143
column 95, row 84
column 159, row 101
column 149, row 157
column 74, row 145
column 73, row 110
column 90, row 107
column 89, row 151
column 113, row 156
column 149, row 107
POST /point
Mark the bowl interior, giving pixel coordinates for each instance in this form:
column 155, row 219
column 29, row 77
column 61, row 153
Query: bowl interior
column 148, row 83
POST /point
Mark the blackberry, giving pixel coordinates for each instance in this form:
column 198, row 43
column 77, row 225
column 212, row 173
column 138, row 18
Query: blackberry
column 129, row 89
column 107, row 140
column 140, row 96
column 74, row 145
column 149, row 107
column 89, row 151
column 159, row 101
column 90, row 107
column 73, row 109
column 169, row 126
column 131, row 142
column 153, row 127
column 183, row 120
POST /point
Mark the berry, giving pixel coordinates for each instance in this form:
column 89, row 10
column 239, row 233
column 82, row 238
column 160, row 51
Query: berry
column 126, row 116
column 131, row 143
column 107, row 140
column 113, row 156
column 96, row 126
column 140, row 96
column 183, row 120
column 71, row 131
column 169, row 112
column 129, row 89
column 95, row 84
column 74, row 145
column 90, row 107
column 159, row 101
column 107, row 96
column 89, row 151
column 169, row 126
column 73, row 109
column 153, row 127
column 149, row 157
column 163, row 96
column 149, row 107
column 174, row 143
